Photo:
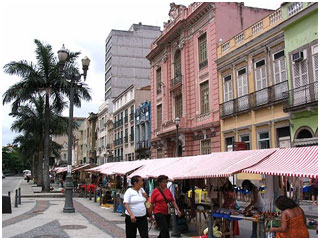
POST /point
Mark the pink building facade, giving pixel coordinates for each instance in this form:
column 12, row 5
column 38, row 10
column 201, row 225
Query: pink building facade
column 184, row 80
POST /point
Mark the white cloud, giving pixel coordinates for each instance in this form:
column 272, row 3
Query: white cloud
column 82, row 26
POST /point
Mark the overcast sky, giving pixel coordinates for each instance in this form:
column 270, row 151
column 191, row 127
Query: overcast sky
column 81, row 25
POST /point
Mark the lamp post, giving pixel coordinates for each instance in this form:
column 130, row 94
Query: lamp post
column 74, row 78
column 177, row 122
column 175, row 231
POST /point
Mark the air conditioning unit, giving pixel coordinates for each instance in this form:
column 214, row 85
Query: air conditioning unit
column 297, row 57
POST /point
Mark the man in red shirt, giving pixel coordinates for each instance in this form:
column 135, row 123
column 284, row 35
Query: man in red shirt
column 160, row 209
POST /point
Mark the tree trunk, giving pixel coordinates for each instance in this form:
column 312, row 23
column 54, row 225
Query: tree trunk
column 40, row 168
column 46, row 145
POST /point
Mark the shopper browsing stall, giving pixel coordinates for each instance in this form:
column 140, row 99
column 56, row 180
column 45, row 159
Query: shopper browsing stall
column 136, row 214
column 256, row 203
column 293, row 220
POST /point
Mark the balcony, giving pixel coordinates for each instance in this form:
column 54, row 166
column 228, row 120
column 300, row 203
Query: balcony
column 176, row 80
column 144, row 144
column 248, row 34
column 301, row 97
column 203, row 64
column 264, row 97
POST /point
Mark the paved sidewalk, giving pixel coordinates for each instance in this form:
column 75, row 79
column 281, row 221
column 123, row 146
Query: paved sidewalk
column 44, row 217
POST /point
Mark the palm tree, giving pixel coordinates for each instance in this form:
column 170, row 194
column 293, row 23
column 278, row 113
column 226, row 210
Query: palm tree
column 30, row 121
column 44, row 77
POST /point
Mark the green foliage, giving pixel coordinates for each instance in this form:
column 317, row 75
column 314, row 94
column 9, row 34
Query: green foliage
column 12, row 161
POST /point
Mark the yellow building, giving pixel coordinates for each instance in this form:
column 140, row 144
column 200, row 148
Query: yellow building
column 252, row 85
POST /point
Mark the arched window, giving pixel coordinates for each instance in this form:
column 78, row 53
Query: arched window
column 177, row 63
column 304, row 133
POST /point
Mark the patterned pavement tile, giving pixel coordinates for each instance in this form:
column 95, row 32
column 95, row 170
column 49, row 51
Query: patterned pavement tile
column 98, row 221
column 39, row 208
column 50, row 230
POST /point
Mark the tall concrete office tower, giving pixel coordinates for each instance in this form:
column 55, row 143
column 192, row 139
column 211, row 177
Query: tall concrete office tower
column 125, row 58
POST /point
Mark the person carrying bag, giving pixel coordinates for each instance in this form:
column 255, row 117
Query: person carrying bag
column 163, row 205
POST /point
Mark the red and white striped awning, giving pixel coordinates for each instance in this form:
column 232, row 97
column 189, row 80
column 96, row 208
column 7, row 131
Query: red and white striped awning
column 218, row 164
column 299, row 162
column 101, row 167
column 153, row 165
column 122, row 168
column 81, row 167
column 61, row 169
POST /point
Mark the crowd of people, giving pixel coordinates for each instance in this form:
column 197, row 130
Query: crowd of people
column 140, row 208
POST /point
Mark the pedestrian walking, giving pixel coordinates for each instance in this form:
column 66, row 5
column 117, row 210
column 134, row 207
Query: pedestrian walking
column 293, row 220
column 256, row 203
column 136, row 213
column 161, row 197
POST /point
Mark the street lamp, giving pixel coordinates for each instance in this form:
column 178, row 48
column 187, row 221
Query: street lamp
column 74, row 79
column 175, row 231
column 177, row 122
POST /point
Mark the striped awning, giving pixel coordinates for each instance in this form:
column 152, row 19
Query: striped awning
column 81, row 167
column 122, row 168
column 61, row 169
column 299, row 162
column 218, row 164
column 101, row 167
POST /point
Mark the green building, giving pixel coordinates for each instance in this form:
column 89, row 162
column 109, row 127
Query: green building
column 300, row 29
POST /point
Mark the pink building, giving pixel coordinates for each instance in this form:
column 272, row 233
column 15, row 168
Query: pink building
column 184, row 80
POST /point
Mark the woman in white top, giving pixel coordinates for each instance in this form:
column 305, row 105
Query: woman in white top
column 136, row 214
column 257, row 203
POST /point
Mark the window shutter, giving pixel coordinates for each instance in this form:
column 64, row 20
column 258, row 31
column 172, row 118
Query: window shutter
column 296, row 75
column 315, row 64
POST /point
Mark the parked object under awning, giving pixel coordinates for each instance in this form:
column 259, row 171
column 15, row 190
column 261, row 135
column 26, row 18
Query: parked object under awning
column 122, row 168
column 299, row 162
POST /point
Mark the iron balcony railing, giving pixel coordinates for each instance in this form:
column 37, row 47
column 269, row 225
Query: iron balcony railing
column 301, row 97
column 176, row 80
column 267, row 96
column 203, row 64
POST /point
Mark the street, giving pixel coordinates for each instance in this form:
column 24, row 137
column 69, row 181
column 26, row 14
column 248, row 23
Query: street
column 10, row 183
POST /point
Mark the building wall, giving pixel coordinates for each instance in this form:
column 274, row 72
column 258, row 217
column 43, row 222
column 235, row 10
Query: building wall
column 194, row 127
column 302, row 32
column 128, row 63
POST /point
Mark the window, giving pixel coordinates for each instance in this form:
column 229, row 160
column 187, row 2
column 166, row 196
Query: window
column 177, row 63
column 263, row 140
column 203, row 60
column 159, row 116
column 158, row 77
column 260, row 75
column 315, row 62
column 242, row 82
column 206, row 147
column 229, row 144
column 178, row 106
column 227, row 88
column 300, row 72
column 204, row 97
column 279, row 67
column 245, row 139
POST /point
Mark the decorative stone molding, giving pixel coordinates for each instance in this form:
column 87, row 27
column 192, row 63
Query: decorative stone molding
column 181, row 44
column 165, row 56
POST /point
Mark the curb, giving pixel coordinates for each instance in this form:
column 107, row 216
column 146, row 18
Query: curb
column 44, row 196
